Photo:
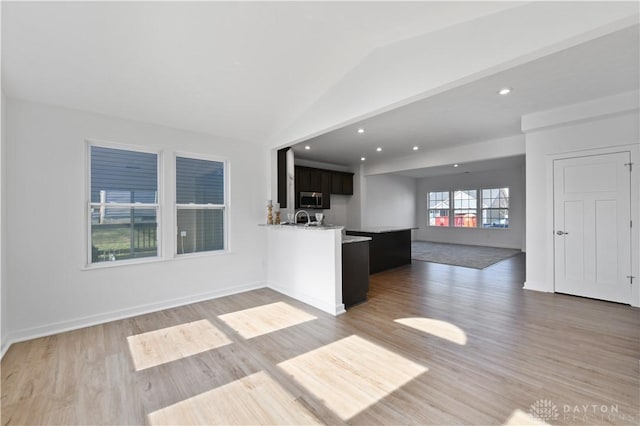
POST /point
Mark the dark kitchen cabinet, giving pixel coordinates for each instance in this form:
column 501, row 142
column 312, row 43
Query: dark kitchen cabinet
column 282, row 177
column 355, row 273
column 388, row 249
column 325, row 180
column 308, row 179
column 342, row 183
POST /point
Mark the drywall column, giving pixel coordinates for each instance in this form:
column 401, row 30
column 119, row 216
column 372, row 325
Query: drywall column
column 598, row 126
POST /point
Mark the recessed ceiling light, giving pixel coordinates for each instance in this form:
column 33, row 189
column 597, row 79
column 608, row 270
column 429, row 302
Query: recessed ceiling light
column 456, row 165
column 415, row 148
column 362, row 158
column 378, row 149
column 360, row 130
column 307, row 147
column 504, row 91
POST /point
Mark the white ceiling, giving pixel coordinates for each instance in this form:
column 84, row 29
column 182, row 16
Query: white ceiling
column 239, row 70
column 474, row 112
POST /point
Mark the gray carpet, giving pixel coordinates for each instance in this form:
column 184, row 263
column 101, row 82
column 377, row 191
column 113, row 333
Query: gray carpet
column 459, row 255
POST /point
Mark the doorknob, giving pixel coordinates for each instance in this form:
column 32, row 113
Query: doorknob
column 562, row 233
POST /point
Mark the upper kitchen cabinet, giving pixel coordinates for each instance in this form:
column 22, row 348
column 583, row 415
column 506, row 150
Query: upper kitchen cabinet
column 341, row 183
column 308, row 179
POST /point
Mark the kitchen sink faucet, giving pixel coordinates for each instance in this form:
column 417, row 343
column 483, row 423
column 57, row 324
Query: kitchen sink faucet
column 295, row 218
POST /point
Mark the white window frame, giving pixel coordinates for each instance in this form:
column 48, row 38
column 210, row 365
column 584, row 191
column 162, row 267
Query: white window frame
column 89, row 247
column 429, row 209
column 482, row 209
column 479, row 209
column 452, row 205
column 192, row 206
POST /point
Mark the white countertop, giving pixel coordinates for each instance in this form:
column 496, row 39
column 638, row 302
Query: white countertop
column 354, row 239
column 381, row 229
column 303, row 227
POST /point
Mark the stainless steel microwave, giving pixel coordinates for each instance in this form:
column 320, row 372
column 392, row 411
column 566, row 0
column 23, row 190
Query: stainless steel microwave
column 311, row 200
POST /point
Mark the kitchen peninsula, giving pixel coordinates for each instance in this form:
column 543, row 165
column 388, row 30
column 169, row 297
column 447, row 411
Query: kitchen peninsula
column 306, row 263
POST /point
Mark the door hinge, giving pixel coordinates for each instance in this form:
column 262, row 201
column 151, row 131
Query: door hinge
column 631, row 277
column 630, row 166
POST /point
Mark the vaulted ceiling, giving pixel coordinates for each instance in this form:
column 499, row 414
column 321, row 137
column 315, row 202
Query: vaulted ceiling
column 239, row 70
column 278, row 73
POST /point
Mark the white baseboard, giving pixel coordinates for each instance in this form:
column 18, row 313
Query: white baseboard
column 537, row 286
column 319, row 304
column 4, row 347
column 88, row 321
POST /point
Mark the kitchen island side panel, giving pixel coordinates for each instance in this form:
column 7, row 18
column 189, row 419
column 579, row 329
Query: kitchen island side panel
column 355, row 273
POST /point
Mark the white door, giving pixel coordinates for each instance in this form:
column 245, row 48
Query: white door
column 592, row 214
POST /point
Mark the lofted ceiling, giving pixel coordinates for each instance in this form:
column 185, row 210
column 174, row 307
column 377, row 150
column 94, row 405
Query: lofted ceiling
column 272, row 72
column 475, row 112
column 239, row 70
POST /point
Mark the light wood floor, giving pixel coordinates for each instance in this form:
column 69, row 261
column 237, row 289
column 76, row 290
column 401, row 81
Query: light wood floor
column 435, row 344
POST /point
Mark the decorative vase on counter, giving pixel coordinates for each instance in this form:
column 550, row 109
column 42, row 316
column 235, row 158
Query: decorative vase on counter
column 276, row 209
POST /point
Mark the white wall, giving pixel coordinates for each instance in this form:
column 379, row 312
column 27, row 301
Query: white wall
column 599, row 126
column 389, row 200
column 512, row 237
column 337, row 214
column 50, row 290
column 3, row 269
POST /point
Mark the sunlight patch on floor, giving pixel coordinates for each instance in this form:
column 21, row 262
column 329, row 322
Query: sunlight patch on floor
column 252, row 400
column 444, row 330
column 351, row 374
column 520, row 418
column 172, row 343
column 265, row 319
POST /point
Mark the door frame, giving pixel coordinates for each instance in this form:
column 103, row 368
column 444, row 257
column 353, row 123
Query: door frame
column 634, row 151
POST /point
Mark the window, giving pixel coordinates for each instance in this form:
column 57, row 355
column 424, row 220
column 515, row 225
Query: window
column 495, row 208
column 123, row 206
column 463, row 212
column 465, row 208
column 439, row 208
column 200, row 205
